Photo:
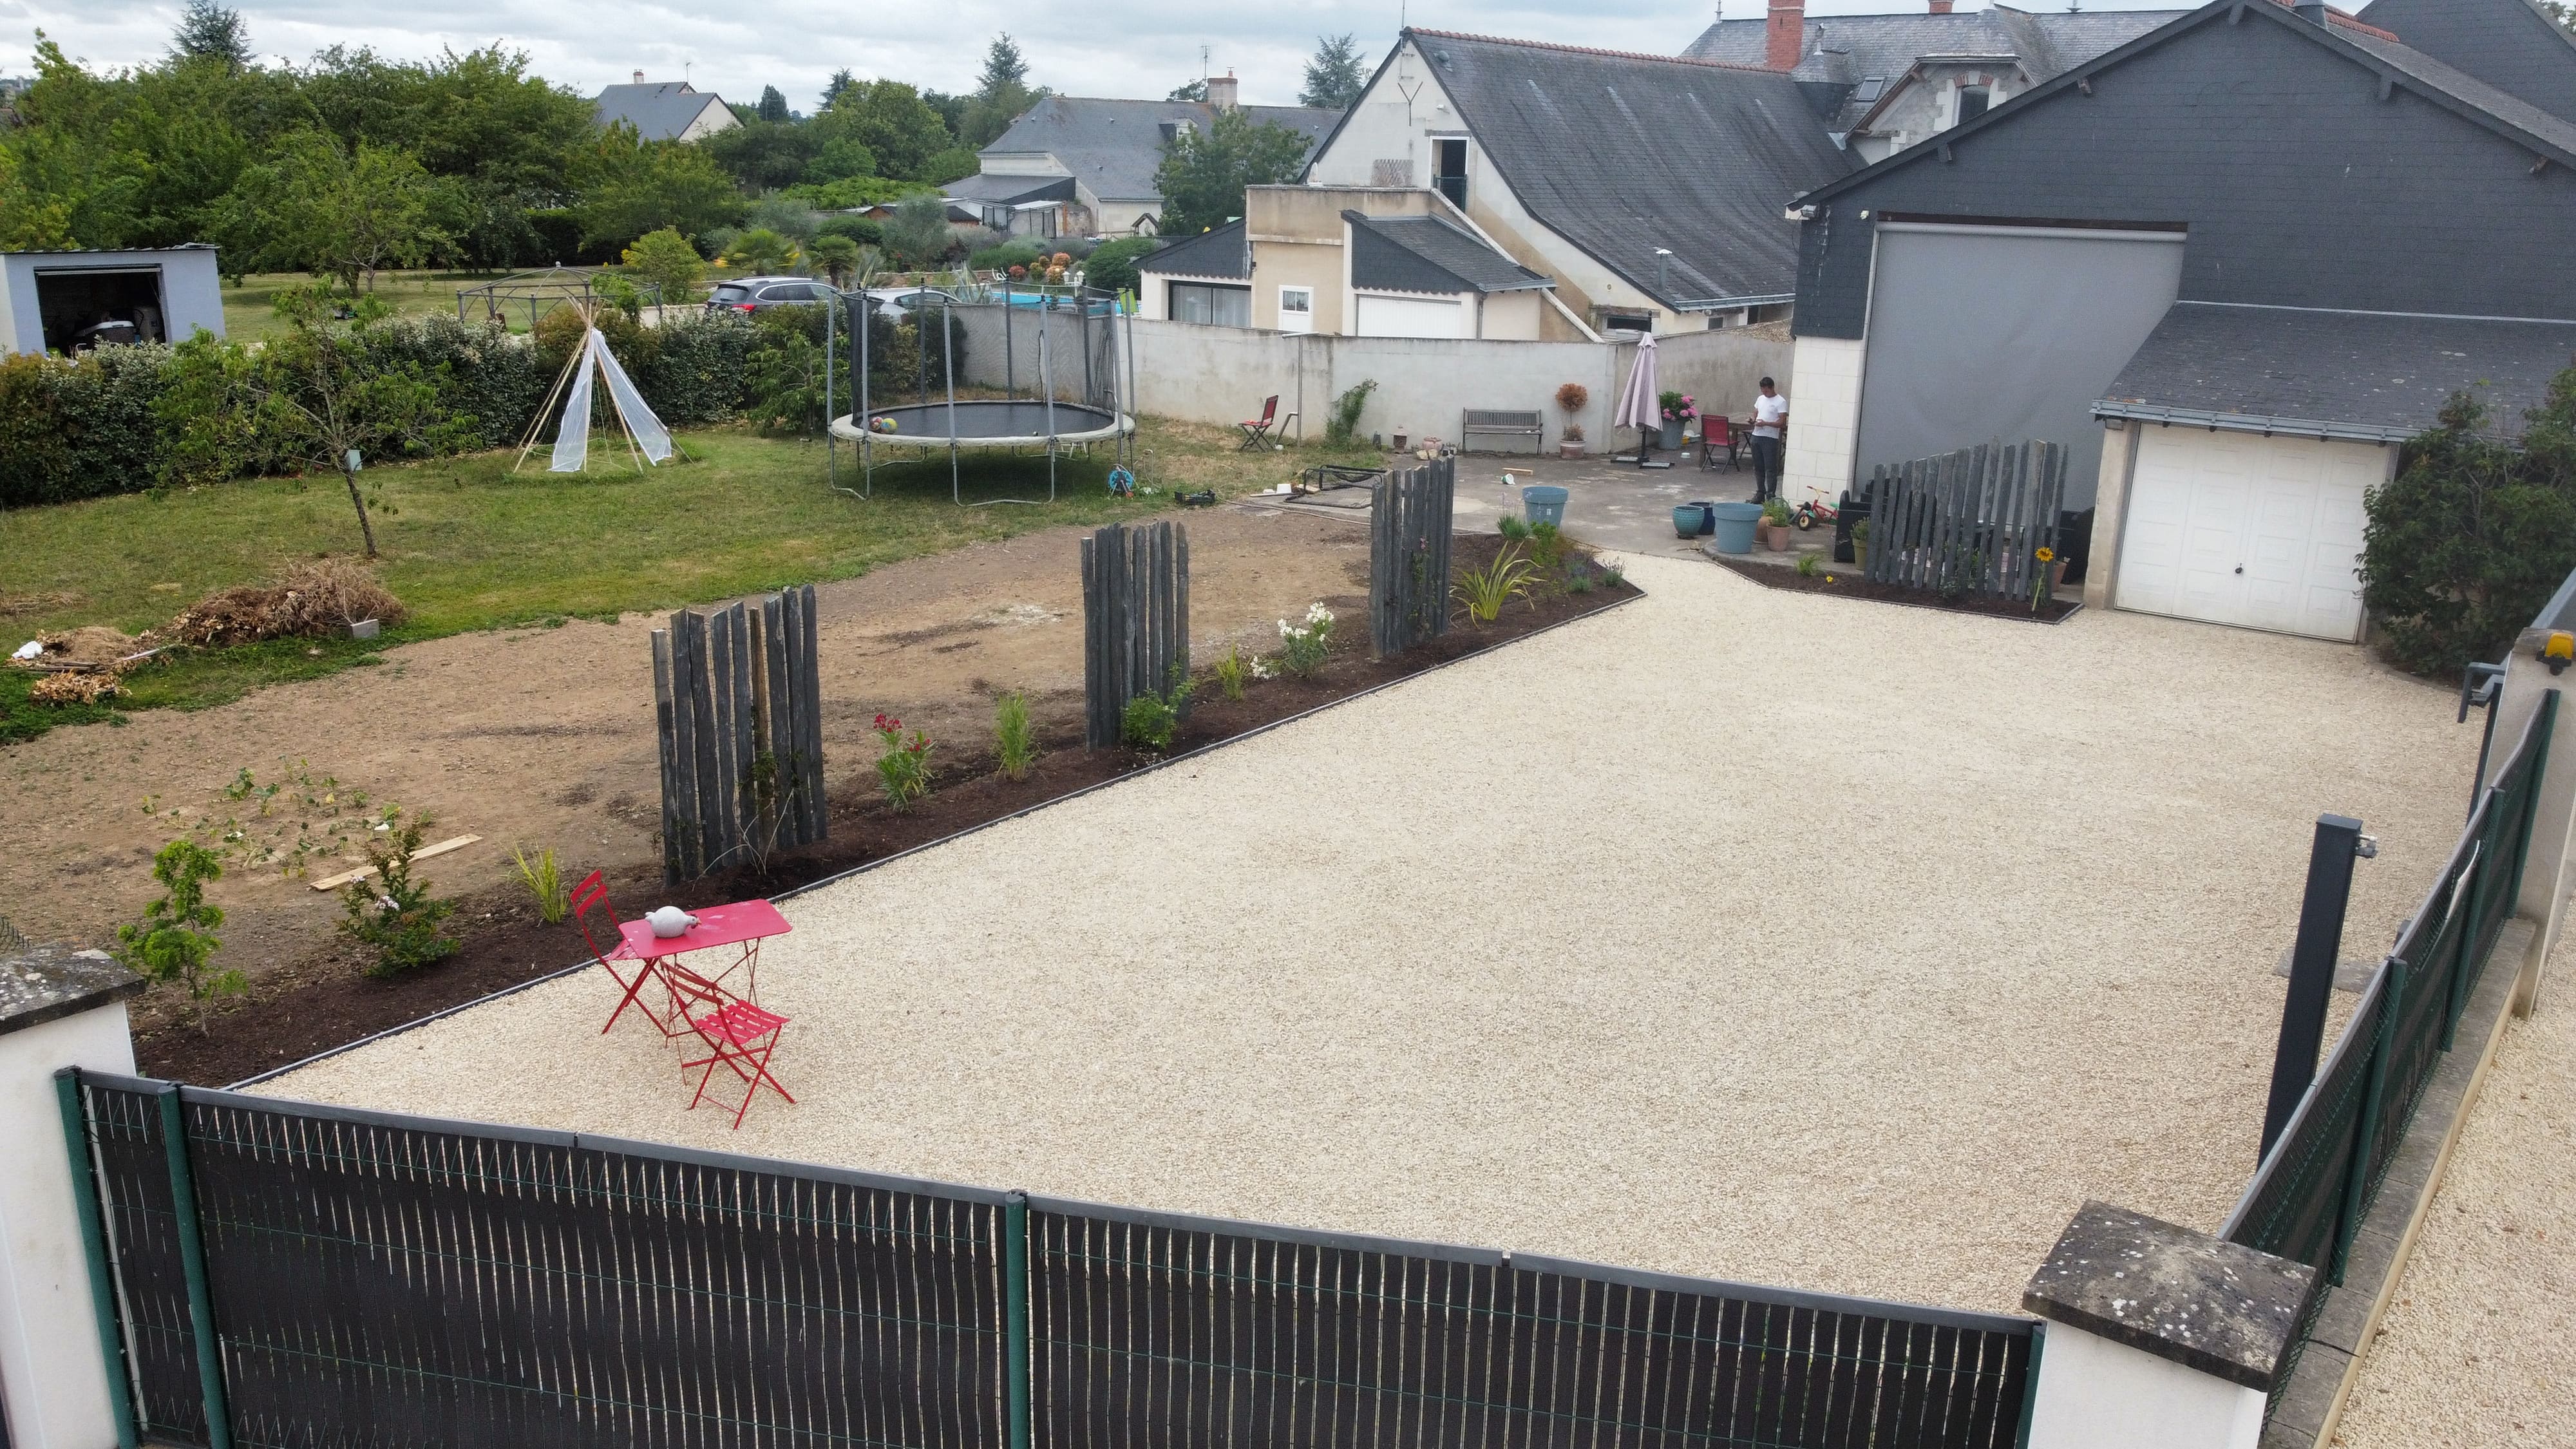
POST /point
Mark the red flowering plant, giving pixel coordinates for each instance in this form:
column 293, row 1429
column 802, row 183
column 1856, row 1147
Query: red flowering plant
column 903, row 765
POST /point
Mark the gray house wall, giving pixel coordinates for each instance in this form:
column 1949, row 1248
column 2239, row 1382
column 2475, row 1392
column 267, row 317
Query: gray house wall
column 2508, row 44
column 2301, row 187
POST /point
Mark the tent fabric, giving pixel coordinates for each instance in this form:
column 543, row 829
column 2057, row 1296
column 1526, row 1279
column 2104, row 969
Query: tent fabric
column 649, row 433
column 572, row 436
column 1638, row 407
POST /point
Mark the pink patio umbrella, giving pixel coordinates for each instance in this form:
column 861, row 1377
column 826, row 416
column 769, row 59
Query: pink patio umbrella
column 1638, row 404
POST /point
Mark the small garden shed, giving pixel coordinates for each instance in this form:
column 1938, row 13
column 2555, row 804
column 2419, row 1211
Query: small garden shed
column 66, row 301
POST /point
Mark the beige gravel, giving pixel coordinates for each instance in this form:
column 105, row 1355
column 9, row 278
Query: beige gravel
column 2480, row 1346
column 1738, row 932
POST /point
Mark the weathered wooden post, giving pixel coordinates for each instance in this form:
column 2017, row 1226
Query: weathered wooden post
column 1411, row 517
column 731, row 687
column 1135, row 621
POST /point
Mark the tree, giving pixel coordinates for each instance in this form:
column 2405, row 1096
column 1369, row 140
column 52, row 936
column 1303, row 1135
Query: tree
column 762, row 156
column 208, row 31
column 1001, row 93
column 841, row 80
column 630, row 186
column 918, row 233
column 1111, row 267
column 837, row 258
column 1203, row 173
column 1188, row 91
column 2466, row 544
column 665, row 261
column 318, row 209
column 891, row 121
column 1334, row 79
column 773, row 106
column 759, row 252
column 175, row 939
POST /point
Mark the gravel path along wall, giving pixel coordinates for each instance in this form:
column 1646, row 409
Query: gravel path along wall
column 2479, row 1347
column 1565, row 950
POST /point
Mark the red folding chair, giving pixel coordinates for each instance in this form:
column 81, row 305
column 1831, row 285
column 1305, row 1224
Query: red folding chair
column 1257, row 431
column 592, row 894
column 1714, row 433
column 740, row 1036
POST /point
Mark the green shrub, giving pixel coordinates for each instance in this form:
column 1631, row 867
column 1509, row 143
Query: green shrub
column 543, row 876
column 1484, row 591
column 859, row 229
column 175, row 939
column 1111, row 267
column 1231, row 672
column 1015, row 736
column 1004, row 257
column 1150, row 720
column 1546, row 545
column 1303, row 649
column 481, row 372
column 1344, row 425
column 80, row 427
column 2465, row 545
column 697, row 375
column 903, row 765
column 390, row 912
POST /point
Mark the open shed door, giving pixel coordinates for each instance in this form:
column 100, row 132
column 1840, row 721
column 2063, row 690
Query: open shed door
column 1984, row 332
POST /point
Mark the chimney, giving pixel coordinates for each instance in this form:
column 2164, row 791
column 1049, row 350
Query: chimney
column 1221, row 90
column 639, row 77
column 2311, row 11
column 1942, row 7
column 1786, row 35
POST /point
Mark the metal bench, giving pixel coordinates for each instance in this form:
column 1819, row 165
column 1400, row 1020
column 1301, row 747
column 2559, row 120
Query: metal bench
column 1503, row 425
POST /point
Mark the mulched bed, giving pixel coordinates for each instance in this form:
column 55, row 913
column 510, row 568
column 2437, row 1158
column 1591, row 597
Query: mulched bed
column 1848, row 583
column 324, row 1000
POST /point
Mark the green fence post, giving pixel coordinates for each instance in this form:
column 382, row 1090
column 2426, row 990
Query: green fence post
column 2030, row 1383
column 1015, row 1313
column 192, row 1258
column 2383, row 1034
column 102, row 1286
column 2531, row 793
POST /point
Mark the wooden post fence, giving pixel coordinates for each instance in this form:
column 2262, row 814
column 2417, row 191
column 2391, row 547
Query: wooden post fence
column 736, row 695
column 1135, row 620
column 1410, row 520
column 1967, row 522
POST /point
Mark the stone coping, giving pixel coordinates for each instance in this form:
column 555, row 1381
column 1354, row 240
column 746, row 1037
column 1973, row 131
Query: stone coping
column 39, row 984
column 2228, row 1311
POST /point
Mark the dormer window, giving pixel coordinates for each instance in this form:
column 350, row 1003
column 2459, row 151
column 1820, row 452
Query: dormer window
column 1973, row 101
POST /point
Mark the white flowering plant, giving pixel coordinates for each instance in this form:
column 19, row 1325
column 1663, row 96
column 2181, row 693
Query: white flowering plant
column 1302, row 647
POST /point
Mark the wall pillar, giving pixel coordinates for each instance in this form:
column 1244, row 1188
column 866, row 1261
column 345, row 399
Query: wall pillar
column 58, row 1008
column 2110, row 509
column 2549, row 871
column 2158, row 1337
column 1824, row 419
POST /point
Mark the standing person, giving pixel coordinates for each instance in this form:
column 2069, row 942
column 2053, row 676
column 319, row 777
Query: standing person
column 1770, row 420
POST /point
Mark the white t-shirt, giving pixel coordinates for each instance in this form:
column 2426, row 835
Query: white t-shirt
column 1767, row 413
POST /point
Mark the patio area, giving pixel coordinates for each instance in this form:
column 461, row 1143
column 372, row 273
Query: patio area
column 1736, row 932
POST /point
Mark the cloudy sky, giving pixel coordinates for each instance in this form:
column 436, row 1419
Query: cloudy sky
column 1084, row 47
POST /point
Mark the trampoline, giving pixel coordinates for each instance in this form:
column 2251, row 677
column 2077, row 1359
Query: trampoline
column 988, row 423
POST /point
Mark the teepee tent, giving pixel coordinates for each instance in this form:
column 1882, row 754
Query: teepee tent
column 644, row 432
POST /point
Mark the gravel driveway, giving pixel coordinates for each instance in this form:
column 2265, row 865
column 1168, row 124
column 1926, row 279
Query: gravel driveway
column 1737, row 932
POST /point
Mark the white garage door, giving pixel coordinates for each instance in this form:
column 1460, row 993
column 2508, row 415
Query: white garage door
column 1410, row 317
column 2236, row 528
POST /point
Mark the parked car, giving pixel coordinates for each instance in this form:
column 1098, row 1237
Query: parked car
column 759, row 294
column 897, row 303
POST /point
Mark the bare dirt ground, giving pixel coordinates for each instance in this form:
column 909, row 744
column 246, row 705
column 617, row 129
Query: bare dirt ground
column 545, row 737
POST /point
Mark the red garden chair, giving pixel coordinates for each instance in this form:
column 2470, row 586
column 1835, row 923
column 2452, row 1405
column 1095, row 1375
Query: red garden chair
column 740, row 1036
column 590, row 895
column 1714, row 433
column 1257, row 431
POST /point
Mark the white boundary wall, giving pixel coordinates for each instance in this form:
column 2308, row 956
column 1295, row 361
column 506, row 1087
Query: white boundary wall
column 1424, row 385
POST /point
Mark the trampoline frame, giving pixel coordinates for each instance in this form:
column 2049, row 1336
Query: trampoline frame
column 1121, row 430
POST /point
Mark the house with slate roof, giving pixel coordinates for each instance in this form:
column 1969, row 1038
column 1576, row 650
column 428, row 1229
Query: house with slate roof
column 1883, row 82
column 2233, row 264
column 1648, row 188
column 1350, row 262
column 664, row 110
column 1109, row 150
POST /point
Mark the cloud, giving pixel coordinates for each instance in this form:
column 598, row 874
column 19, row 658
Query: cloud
column 1087, row 48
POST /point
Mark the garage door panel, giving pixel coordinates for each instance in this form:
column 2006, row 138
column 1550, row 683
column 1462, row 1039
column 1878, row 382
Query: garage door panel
column 2265, row 533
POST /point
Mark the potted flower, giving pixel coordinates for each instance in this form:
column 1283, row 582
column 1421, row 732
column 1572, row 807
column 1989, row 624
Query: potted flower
column 1860, row 545
column 1775, row 525
column 1679, row 408
column 1573, row 397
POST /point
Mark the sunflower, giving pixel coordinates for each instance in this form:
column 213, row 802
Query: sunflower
column 2046, row 555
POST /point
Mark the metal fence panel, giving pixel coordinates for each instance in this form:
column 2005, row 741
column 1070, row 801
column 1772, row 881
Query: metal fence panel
column 143, row 1242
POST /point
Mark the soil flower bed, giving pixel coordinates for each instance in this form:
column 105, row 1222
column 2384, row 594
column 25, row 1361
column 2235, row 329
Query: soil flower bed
column 323, row 1001
column 1850, row 584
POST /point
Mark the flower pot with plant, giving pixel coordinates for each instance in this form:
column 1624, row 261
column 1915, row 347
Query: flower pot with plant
column 1678, row 409
column 1860, row 545
column 1775, row 525
column 1573, row 397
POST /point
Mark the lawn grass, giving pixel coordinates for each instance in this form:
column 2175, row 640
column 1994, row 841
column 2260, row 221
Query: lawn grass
column 468, row 545
column 250, row 309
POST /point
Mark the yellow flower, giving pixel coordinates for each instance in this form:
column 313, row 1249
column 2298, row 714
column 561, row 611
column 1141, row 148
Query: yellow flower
column 2046, row 555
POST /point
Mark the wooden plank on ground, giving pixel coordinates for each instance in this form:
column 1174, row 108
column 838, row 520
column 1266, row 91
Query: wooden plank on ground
column 453, row 842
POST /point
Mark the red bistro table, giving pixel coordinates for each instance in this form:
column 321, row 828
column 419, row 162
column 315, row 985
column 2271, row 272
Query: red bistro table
column 744, row 923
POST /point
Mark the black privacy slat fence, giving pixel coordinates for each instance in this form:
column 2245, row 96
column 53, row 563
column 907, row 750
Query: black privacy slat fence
column 383, row 1280
column 2320, row 1178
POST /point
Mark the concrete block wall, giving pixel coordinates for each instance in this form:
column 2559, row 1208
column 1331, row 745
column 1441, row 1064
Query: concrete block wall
column 1824, row 418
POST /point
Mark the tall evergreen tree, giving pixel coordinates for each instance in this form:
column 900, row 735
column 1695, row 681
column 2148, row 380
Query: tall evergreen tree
column 1334, row 79
column 1004, row 67
column 773, row 106
column 1001, row 93
column 207, row 29
column 841, row 80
